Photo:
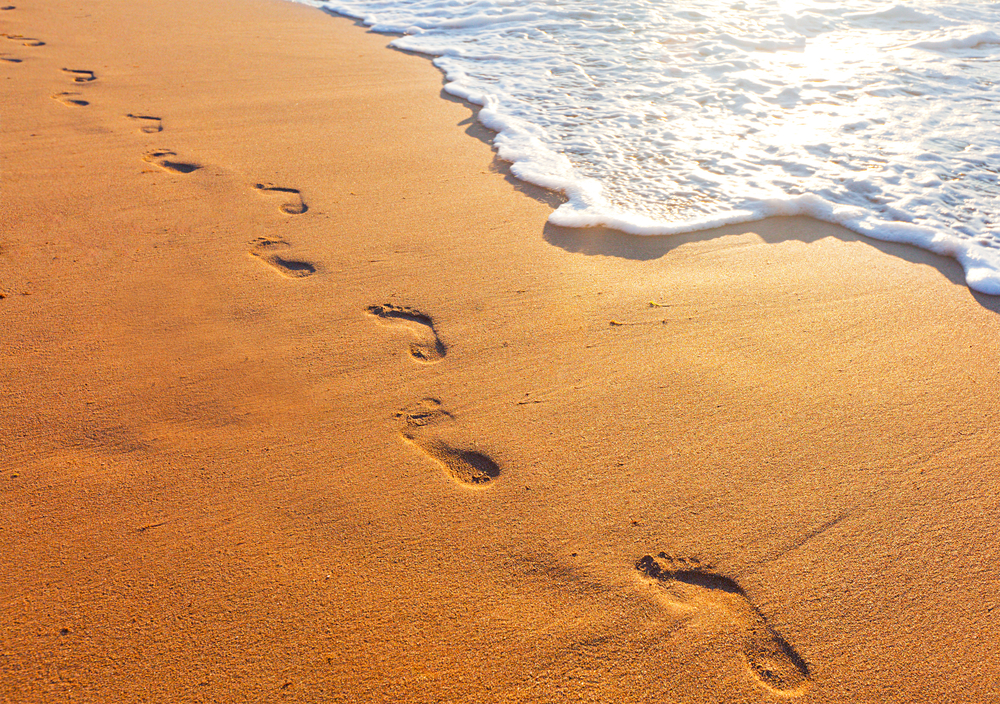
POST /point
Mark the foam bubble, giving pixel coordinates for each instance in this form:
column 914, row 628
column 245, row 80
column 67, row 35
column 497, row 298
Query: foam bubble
column 962, row 41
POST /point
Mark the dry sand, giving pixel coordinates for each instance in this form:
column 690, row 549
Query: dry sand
column 336, row 417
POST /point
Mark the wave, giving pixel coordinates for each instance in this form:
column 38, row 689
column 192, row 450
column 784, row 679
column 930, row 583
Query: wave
column 656, row 122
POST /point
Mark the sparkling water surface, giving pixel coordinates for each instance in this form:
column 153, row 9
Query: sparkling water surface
column 658, row 117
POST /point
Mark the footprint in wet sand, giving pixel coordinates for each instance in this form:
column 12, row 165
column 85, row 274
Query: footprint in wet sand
column 428, row 347
column 294, row 204
column 690, row 585
column 164, row 158
column 27, row 41
column 469, row 467
column 70, row 100
column 271, row 251
column 147, row 123
column 81, row 75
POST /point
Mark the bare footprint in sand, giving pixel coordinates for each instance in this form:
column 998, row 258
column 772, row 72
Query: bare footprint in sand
column 26, row 41
column 71, row 100
column 428, row 347
column 147, row 123
column 10, row 59
column 81, row 75
column 294, row 204
column 164, row 158
column 271, row 251
column 466, row 466
column 688, row 584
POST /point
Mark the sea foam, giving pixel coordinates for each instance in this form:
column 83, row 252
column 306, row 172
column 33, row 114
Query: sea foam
column 656, row 118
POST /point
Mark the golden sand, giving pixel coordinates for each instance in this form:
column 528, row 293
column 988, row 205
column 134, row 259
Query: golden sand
column 303, row 401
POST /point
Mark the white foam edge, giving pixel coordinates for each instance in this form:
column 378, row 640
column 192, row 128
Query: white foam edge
column 981, row 264
column 523, row 145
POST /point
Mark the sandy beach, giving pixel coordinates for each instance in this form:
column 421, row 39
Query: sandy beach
column 304, row 401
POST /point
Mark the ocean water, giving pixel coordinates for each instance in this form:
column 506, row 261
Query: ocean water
column 657, row 117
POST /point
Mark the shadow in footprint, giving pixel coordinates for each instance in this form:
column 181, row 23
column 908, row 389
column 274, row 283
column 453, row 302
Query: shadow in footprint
column 147, row 123
column 270, row 251
column 10, row 59
column 8, row 7
column 81, row 75
column 466, row 466
column 428, row 348
column 164, row 158
column 294, row 206
column 70, row 100
column 26, row 41
column 691, row 585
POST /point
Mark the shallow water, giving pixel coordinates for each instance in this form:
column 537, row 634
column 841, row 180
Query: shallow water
column 665, row 117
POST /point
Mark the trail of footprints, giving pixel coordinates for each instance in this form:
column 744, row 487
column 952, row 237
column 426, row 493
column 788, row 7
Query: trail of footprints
column 689, row 584
column 271, row 251
column 421, row 424
column 68, row 98
column 20, row 38
column 72, row 99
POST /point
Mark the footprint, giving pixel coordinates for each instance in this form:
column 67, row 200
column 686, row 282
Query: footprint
column 70, row 100
column 269, row 250
column 147, row 123
column 691, row 585
column 81, row 75
column 294, row 206
column 468, row 467
column 27, row 41
column 164, row 159
column 8, row 7
column 428, row 348
column 9, row 59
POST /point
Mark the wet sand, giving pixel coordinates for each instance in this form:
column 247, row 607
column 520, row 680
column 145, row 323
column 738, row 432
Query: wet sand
column 304, row 401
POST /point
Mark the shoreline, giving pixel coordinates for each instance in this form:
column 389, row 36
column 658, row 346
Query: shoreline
column 304, row 401
column 579, row 208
